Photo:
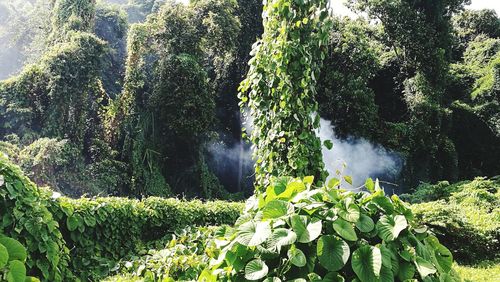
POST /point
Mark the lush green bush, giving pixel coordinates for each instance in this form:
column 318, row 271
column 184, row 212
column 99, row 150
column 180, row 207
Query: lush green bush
column 465, row 216
column 96, row 232
column 25, row 217
column 95, row 229
column 296, row 231
column 180, row 256
column 12, row 259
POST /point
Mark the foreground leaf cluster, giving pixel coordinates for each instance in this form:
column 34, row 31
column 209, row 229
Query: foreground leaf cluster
column 296, row 232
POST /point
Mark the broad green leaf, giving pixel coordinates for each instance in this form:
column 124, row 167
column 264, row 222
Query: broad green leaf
column 256, row 269
column 386, row 274
column 72, row 222
column 389, row 227
column 333, row 252
column 306, row 231
column 17, row 271
column 4, row 256
column 367, row 263
column 14, row 248
column 345, row 230
column 370, row 185
column 297, row 257
column 333, row 182
column 424, row 267
column 348, row 179
column 383, row 203
column 276, row 209
column 406, row 271
column 351, row 213
column 386, row 256
column 443, row 256
column 281, row 237
column 333, row 277
column 207, row 276
column 252, row 234
column 313, row 277
column 365, row 223
column 308, row 180
column 328, row 144
column 446, row 277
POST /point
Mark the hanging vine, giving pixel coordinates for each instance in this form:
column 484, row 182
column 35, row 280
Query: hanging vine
column 280, row 87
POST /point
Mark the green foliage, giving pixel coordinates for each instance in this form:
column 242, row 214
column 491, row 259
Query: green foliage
column 172, row 97
column 72, row 15
column 463, row 212
column 471, row 23
column 178, row 257
column 86, row 236
column 344, row 95
column 12, row 261
column 25, row 217
column 427, row 47
column 94, row 228
column 111, row 26
column 58, row 96
column 279, row 90
column 487, row 271
column 294, row 230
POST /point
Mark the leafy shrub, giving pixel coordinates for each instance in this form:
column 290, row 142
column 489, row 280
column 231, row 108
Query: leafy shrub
column 98, row 231
column 181, row 257
column 467, row 211
column 94, row 229
column 294, row 231
column 25, row 217
column 486, row 271
column 12, row 259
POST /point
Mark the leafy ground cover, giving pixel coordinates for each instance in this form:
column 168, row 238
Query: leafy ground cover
column 365, row 227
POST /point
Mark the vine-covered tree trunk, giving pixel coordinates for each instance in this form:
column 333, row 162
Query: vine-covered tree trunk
column 280, row 87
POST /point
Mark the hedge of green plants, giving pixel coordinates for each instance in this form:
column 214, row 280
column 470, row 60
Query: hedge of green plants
column 85, row 237
column 101, row 231
column 24, row 216
column 465, row 216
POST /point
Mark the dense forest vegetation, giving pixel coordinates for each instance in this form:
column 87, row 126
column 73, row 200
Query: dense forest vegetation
column 130, row 102
column 150, row 107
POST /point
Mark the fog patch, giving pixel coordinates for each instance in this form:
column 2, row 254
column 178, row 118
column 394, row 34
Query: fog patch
column 358, row 158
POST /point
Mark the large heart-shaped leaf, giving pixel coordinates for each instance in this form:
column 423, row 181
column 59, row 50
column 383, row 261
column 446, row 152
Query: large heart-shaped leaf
column 14, row 248
column 350, row 213
column 367, row 262
column 281, row 237
column 4, row 256
column 383, row 203
column 365, row 223
column 297, row 257
column 17, row 271
column 443, row 256
column 389, row 227
column 333, row 252
column 406, row 271
column 255, row 270
column 252, row 234
column 345, row 229
column 306, row 231
column 386, row 274
column 276, row 209
column 424, row 267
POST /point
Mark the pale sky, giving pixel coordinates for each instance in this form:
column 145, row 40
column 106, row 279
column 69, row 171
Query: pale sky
column 339, row 8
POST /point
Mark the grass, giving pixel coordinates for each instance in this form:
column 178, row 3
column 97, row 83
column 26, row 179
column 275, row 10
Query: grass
column 486, row 271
